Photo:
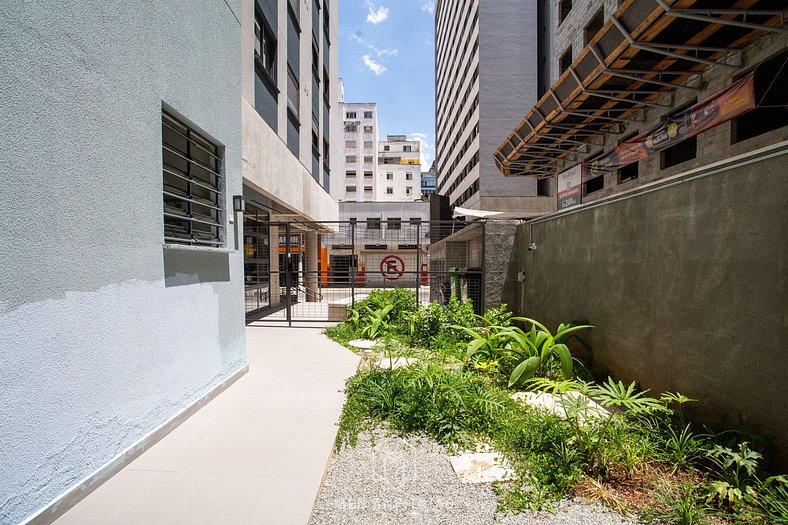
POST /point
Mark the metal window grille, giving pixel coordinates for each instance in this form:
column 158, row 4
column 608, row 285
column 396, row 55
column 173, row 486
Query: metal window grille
column 192, row 186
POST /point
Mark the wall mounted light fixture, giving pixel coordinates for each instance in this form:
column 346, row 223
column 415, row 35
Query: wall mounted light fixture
column 238, row 203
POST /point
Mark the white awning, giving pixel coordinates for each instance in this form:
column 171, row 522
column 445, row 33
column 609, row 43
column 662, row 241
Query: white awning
column 481, row 214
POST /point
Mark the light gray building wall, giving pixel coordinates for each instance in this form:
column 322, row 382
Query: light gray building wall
column 104, row 334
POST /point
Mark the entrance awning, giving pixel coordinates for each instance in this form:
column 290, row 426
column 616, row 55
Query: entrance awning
column 644, row 52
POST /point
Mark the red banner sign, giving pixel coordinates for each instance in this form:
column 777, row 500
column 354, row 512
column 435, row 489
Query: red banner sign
column 727, row 104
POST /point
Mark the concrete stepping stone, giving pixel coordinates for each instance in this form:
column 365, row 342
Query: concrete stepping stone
column 553, row 403
column 397, row 362
column 481, row 467
column 363, row 344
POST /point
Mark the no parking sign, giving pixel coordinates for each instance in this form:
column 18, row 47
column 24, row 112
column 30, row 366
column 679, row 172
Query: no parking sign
column 392, row 267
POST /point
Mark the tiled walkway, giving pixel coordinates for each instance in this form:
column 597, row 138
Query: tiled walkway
column 254, row 454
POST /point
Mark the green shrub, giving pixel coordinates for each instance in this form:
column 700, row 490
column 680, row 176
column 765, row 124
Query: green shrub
column 680, row 504
column 448, row 405
column 401, row 300
column 427, row 322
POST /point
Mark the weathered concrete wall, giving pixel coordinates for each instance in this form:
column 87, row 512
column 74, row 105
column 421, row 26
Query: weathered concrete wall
column 499, row 270
column 270, row 168
column 103, row 334
column 685, row 284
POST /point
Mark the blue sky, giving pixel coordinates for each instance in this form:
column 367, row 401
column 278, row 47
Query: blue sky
column 386, row 55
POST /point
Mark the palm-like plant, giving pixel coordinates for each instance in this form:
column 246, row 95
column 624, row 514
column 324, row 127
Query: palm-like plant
column 537, row 346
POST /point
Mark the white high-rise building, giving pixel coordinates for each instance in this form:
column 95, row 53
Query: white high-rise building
column 361, row 146
column 399, row 169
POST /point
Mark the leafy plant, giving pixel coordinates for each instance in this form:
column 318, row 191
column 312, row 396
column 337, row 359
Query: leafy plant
column 684, row 447
column 737, row 470
column 376, row 322
column 618, row 395
column 536, row 347
column 427, row 323
column 771, row 502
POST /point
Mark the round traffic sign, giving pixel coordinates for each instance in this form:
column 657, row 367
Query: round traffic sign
column 392, row 267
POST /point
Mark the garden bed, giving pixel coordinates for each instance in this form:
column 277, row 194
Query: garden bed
column 443, row 372
column 390, row 479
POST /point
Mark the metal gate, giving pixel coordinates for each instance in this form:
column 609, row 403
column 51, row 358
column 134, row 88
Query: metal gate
column 316, row 270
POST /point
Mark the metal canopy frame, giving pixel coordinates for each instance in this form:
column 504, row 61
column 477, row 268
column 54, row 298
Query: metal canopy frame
column 645, row 52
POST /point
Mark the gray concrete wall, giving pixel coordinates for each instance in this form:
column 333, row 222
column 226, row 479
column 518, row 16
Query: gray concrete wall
column 103, row 334
column 686, row 286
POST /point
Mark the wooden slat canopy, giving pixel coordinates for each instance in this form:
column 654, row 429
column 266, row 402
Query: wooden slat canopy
column 645, row 51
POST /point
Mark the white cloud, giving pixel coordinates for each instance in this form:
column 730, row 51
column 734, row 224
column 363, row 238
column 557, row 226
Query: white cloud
column 373, row 66
column 429, row 6
column 427, row 149
column 380, row 53
column 376, row 15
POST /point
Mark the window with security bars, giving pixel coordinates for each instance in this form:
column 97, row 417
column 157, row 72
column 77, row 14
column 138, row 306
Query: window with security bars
column 193, row 203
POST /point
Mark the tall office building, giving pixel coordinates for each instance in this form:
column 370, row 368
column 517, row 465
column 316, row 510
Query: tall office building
column 399, row 169
column 486, row 72
column 360, row 152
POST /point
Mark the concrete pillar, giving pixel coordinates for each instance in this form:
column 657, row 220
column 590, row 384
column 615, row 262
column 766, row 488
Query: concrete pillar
column 273, row 245
column 311, row 257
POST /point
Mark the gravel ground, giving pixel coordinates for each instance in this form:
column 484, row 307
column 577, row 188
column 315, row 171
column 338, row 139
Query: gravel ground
column 410, row 482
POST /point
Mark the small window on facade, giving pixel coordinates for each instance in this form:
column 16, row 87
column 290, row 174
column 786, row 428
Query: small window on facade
column 682, row 152
column 367, row 174
column 594, row 25
column 373, row 223
column 564, row 7
column 350, row 189
column 628, row 172
column 415, row 220
column 394, row 223
column 264, row 48
column 566, row 60
column 368, row 144
column 594, row 185
column 386, row 148
column 350, row 173
column 367, row 114
column 350, row 114
column 408, row 190
column 350, row 144
column 293, row 96
column 192, row 181
column 389, row 191
column 389, row 176
column 367, row 129
column 351, row 127
column 771, row 94
column 543, row 187
column 409, row 176
column 350, row 159
column 406, row 148
column 368, row 159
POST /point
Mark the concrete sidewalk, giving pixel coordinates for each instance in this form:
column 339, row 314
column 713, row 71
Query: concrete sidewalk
column 254, row 454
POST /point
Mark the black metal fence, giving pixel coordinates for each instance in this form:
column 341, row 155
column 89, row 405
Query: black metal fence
column 316, row 270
